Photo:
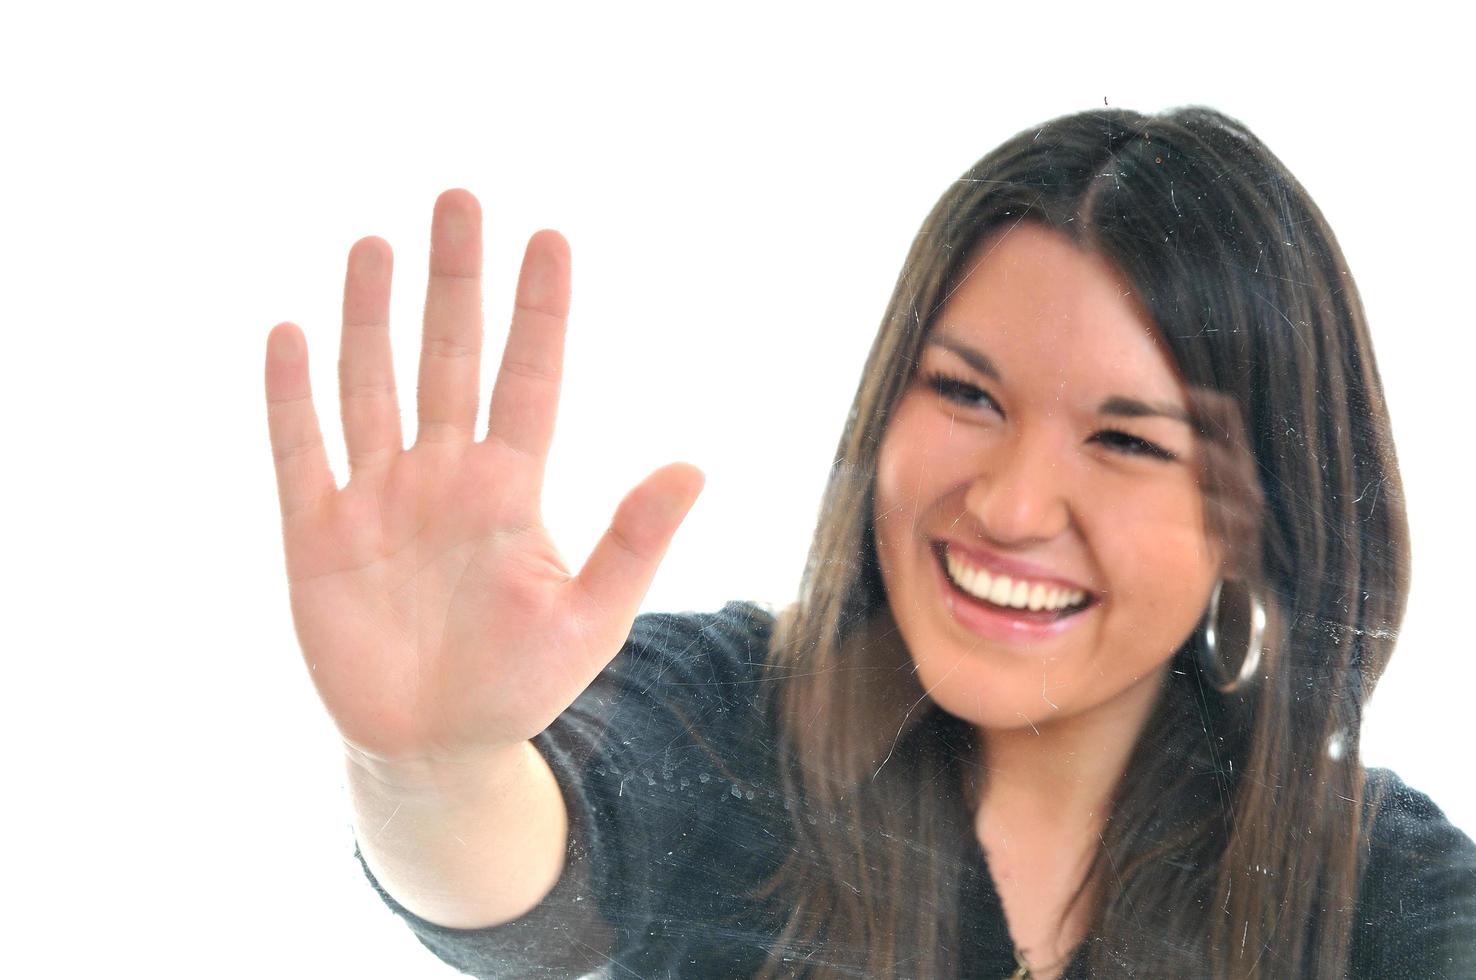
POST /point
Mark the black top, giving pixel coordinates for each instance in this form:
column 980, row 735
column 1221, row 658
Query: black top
column 669, row 776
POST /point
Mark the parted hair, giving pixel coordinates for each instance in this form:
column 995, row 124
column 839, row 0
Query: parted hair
column 1233, row 844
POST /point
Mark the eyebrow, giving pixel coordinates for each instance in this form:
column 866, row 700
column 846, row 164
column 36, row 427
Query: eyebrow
column 974, row 359
column 1119, row 405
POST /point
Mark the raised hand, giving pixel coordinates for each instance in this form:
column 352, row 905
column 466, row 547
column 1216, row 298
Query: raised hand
column 435, row 615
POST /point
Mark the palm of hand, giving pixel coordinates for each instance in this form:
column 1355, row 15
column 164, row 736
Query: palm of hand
column 435, row 614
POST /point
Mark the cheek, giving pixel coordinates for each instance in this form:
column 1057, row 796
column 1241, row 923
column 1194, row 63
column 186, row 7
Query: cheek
column 885, row 502
column 1162, row 567
column 889, row 484
column 910, row 462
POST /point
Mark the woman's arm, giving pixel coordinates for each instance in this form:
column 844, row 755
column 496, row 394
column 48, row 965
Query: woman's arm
column 464, row 849
column 492, row 876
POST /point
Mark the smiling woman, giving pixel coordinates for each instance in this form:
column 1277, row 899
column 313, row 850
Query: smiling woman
column 1136, row 817
column 1030, row 481
column 1075, row 679
column 1036, row 481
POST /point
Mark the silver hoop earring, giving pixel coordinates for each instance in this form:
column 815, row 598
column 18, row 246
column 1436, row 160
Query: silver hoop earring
column 1211, row 664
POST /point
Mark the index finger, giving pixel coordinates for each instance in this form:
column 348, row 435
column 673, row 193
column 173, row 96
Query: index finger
column 525, row 397
column 303, row 475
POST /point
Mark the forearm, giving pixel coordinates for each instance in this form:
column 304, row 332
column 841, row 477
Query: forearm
column 466, row 849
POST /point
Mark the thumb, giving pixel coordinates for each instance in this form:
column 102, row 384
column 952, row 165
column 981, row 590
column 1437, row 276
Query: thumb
column 617, row 575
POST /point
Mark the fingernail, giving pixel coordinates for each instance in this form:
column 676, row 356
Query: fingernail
column 455, row 226
column 367, row 260
column 285, row 347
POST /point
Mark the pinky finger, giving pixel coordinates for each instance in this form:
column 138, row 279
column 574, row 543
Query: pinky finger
column 303, row 475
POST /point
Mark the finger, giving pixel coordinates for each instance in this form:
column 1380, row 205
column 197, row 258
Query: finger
column 451, row 344
column 525, row 397
column 615, row 579
column 366, row 372
column 303, row 475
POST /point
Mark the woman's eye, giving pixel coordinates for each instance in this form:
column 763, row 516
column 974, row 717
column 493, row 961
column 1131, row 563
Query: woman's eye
column 1132, row 445
column 962, row 392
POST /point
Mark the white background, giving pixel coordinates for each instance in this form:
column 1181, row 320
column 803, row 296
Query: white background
column 739, row 191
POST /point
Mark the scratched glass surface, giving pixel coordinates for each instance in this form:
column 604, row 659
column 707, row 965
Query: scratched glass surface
column 1120, row 375
column 1111, row 555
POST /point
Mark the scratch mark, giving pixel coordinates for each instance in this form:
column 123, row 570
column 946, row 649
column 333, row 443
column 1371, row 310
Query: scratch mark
column 898, row 737
column 607, row 957
column 1044, row 698
column 966, row 276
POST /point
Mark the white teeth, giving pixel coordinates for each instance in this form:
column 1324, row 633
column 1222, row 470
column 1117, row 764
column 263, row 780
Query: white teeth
column 1002, row 590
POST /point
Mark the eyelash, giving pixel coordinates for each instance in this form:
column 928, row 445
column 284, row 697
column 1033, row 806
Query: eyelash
column 962, row 392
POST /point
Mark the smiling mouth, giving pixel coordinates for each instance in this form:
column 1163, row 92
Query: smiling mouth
column 1015, row 597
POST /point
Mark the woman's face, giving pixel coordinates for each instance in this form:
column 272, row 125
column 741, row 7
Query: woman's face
column 1041, row 456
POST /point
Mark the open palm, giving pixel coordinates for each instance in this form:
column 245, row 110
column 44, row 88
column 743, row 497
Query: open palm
column 435, row 615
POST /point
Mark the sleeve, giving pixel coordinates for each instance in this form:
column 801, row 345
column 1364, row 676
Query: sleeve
column 563, row 937
column 646, row 757
column 1417, row 909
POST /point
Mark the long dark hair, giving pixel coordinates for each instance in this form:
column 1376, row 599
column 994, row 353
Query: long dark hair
column 1233, row 845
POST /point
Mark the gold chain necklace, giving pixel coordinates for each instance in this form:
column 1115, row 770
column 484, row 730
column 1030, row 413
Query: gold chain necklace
column 1022, row 969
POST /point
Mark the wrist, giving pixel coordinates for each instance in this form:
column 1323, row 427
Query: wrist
column 439, row 779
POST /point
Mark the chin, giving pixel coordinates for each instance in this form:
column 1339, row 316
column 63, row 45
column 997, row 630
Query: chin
column 988, row 694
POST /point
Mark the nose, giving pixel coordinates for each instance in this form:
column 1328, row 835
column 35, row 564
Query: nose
column 1021, row 495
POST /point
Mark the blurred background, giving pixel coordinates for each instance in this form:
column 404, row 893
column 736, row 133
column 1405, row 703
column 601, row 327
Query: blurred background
column 739, row 190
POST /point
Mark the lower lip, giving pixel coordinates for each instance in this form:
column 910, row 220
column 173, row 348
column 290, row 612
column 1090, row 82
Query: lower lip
column 995, row 623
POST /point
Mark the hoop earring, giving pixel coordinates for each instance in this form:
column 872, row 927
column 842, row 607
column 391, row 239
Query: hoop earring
column 1211, row 664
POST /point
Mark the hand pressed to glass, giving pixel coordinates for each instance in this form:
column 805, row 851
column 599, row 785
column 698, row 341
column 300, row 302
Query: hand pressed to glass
column 437, row 619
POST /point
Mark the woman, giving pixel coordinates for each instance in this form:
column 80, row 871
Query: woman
column 1111, row 558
